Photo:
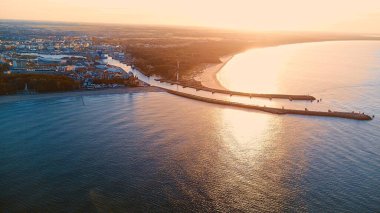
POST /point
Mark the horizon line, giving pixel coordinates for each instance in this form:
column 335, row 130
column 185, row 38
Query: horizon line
column 187, row 26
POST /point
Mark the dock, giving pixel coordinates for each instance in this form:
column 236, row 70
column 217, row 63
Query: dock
column 280, row 111
column 244, row 94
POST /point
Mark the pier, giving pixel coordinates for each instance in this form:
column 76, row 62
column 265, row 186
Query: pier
column 273, row 110
column 250, row 95
column 281, row 111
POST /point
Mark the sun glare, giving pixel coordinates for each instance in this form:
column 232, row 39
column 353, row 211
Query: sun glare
column 263, row 79
column 337, row 15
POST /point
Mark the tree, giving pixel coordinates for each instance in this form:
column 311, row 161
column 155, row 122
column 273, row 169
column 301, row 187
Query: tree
column 4, row 67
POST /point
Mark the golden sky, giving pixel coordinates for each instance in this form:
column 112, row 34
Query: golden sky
column 255, row 15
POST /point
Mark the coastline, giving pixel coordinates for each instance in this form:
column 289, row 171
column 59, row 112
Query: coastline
column 208, row 77
column 77, row 93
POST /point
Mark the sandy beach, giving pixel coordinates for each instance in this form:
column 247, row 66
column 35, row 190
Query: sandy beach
column 108, row 91
column 209, row 78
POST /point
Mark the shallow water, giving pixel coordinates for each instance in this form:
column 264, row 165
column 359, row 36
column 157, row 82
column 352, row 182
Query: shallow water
column 159, row 152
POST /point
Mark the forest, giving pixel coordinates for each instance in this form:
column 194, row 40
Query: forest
column 162, row 59
column 4, row 67
column 11, row 84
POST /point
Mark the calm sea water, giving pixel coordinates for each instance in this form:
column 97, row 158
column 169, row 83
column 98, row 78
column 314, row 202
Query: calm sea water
column 158, row 152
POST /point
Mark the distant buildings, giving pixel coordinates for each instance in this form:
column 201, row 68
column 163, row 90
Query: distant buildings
column 79, row 57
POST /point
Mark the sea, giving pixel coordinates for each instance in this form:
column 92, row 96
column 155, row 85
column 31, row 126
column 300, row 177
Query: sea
column 156, row 152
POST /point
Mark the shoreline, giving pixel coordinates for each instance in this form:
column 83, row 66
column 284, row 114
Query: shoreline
column 208, row 76
column 77, row 93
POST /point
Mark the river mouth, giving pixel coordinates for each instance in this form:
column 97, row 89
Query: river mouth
column 325, row 77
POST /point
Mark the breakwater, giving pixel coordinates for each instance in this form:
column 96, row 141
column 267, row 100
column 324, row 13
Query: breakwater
column 281, row 111
column 251, row 95
column 150, row 81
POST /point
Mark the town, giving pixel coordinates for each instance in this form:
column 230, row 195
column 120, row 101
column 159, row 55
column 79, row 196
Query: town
column 79, row 57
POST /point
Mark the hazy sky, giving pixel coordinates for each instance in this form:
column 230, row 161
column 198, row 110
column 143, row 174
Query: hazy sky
column 304, row 15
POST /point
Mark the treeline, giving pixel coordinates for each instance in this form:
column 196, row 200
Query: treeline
column 4, row 67
column 11, row 84
column 131, row 81
column 162, row 60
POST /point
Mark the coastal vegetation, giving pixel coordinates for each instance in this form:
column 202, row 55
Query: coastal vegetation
column 162, row 59
column 11, row 84
column 130, row 82
column 4, row 67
